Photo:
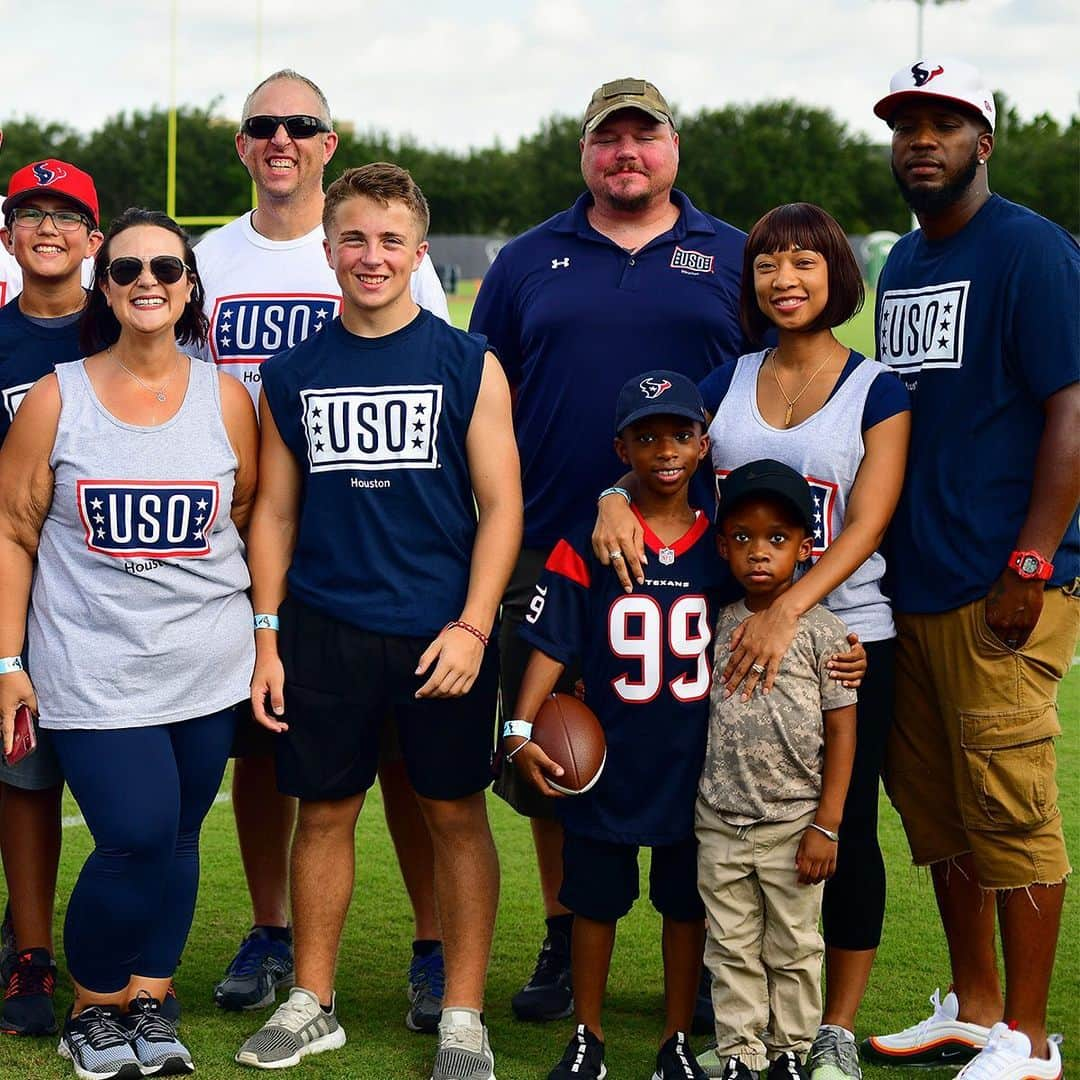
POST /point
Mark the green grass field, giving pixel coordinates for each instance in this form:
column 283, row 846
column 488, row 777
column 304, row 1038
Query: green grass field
column 375, row 951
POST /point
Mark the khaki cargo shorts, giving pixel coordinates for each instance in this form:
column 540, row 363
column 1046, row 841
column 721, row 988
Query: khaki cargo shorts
column 971, row 765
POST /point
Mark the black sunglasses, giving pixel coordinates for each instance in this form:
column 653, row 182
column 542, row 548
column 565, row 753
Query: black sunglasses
column 168, row 269
column 298, row 126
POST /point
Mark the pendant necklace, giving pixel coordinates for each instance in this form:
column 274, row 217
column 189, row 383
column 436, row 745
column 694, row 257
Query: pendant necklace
column 806, row 385
column 158, row 392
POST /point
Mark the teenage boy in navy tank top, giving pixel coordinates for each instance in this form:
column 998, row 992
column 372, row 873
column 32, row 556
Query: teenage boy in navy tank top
column 377, row 436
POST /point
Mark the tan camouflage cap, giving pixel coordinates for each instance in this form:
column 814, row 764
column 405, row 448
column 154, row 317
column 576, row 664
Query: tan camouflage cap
column 625, row 94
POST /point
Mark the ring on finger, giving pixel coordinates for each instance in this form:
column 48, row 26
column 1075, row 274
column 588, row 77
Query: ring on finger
column 616, row 554
column 757, row 669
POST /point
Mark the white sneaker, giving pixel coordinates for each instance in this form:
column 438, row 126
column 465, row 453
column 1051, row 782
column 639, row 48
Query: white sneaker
column 298, row 1027
column 464, row 1051
column 1007, row 1056
column 940, row 1039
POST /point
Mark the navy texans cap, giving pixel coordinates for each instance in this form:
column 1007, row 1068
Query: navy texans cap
column 770, row 478
column 658, row 393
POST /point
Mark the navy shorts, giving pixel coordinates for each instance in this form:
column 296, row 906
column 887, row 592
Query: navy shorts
column 340, row 684
column 600, row 879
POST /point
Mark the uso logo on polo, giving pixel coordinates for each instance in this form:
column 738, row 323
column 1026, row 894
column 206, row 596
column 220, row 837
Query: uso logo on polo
column 160, row 519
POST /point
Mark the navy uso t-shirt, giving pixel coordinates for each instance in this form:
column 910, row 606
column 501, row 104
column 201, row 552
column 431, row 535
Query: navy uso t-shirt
column 982, row 327
column 29, row 350
column 378, row 426
column 572, row 316
column 646, row 665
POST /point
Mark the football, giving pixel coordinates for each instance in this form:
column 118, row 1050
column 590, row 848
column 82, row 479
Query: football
column 568, row 732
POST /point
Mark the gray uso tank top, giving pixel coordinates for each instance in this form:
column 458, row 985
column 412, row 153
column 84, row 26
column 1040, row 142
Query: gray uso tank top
column 827, row 448
column 139, row 611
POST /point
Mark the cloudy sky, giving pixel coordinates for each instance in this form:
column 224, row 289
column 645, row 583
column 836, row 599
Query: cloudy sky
column 463, row 74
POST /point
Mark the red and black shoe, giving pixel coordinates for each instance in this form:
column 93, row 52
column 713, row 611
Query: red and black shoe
column 28, row 999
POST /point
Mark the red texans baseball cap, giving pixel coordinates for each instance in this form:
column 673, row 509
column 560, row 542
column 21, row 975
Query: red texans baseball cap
column 52, row 177
column 946, row 78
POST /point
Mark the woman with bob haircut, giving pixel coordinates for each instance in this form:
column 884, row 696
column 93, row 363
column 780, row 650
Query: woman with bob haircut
column 843, row 422
column 125, row 483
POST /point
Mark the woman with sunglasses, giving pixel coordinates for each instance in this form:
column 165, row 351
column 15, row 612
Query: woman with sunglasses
column 843, row 422
column 125, row 482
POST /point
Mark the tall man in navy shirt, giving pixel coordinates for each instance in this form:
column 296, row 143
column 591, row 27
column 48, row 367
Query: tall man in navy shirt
column 632, row 276
column 977, row 312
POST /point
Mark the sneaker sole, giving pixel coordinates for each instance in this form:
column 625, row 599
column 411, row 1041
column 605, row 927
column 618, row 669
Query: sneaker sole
column 333, row 1041
column 171, row 1066
column 231, row 1005
column 130, row 1070
column 946, row 1053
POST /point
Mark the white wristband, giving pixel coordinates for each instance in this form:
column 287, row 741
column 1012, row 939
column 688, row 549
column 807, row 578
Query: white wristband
column 266, row 622
column 517, row 727
column 10, row 664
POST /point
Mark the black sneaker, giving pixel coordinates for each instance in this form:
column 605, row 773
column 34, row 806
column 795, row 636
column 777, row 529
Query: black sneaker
column 583, row 1060
column 731, row 1068
column 28, row 999
column 262, row 965
column 97, row 1044
column 153, row 1038
column 676, row 1061
column 427, row 980
column 704, row 1021
column 548, row 995
column 170, row 1005
column 787, row 1067
column 8, row 948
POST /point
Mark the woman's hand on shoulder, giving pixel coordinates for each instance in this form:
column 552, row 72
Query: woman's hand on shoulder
column 758, row 645
column 618, row 540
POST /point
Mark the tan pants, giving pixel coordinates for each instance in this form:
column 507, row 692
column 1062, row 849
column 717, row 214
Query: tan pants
column 764, row 948
column 971, row 763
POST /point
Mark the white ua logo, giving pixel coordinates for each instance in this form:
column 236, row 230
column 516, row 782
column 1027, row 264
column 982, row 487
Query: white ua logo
column 556, row 263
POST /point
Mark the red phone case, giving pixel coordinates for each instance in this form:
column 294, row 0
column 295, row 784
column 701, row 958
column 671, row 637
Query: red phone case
column 25, row 736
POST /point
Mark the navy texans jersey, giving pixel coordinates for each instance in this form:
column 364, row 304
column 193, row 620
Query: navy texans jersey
column 646, row 663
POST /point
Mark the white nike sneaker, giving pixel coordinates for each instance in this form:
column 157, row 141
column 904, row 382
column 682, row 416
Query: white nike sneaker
column 940, row 1039
column 1007, row 1056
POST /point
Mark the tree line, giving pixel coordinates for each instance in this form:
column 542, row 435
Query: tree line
column 736, row 162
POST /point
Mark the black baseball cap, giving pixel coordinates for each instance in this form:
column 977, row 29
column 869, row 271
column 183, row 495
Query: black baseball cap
column 771, row 478
column 658, row 393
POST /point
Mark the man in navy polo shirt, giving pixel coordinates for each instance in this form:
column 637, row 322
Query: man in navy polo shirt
column 632, row 275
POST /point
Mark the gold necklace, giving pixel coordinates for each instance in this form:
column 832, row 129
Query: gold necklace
column 158, row 392
column 780, row 385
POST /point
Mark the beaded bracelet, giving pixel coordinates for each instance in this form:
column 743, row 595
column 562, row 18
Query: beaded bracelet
column 462, row 625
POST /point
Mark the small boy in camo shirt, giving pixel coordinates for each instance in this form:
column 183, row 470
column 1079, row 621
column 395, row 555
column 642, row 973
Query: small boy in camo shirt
column 771, row 793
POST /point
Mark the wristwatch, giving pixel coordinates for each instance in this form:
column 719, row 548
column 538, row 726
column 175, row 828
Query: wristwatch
column 1030, row 565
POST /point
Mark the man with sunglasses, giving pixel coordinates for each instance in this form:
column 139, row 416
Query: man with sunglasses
column 50, row 228
column 268, row 287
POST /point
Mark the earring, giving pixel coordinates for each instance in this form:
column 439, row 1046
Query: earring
column 982, row 161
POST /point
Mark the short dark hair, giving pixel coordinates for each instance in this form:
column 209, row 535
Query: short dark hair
column 99, row 327
column 802, row 227
column 383, row 182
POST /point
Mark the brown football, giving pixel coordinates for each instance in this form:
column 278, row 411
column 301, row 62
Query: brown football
column 568, row 732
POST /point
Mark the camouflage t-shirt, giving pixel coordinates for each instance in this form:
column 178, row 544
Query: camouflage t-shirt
column 765, row 755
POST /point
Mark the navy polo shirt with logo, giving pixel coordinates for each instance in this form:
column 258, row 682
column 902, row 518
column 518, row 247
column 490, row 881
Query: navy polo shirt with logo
column 572, row 316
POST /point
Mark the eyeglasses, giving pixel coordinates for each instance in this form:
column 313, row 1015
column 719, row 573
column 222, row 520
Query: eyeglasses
column 168, row 269
column 298, row 126
column 30, row 217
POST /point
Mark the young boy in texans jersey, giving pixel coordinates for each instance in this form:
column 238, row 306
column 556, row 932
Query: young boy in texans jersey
column 383, row 535
column 645, row 660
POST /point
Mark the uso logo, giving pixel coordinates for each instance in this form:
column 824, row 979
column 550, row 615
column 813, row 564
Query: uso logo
column 379, row 427
column 159, row 519
column 248, row 329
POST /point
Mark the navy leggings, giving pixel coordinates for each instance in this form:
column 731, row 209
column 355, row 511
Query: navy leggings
column 144, row 793
column 853, row 903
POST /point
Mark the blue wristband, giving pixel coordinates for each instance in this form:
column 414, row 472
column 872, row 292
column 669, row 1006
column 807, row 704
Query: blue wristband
column 615, row 491
column 517, row 727
column 10, row 664
column 266, row 622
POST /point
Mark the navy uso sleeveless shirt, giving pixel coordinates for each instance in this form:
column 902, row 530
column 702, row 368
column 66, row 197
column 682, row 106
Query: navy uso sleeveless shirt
column 378, row 425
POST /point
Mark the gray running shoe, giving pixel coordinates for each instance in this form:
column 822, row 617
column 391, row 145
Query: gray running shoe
column 464, row 1050
column 97, row 1045
column 298, row 1027
column 153, row 1038
column 833, row 1056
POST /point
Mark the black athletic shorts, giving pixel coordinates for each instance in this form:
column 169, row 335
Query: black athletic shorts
column 340, row 682
column 600, row 879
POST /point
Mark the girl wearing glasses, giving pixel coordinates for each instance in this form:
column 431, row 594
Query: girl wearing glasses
column 126, row 480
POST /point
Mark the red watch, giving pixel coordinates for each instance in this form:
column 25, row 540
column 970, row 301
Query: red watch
column 1030, row 565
